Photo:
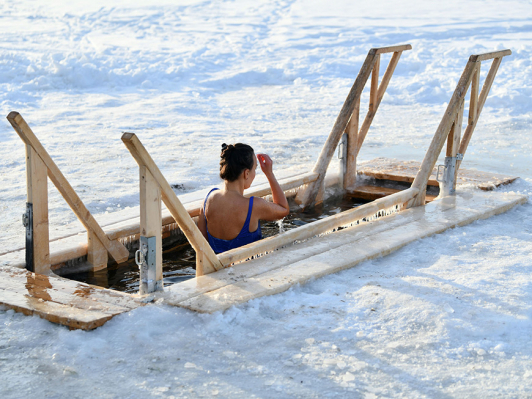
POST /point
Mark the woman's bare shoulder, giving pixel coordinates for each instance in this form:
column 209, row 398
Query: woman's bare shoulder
column 226, row 201
column 266, row 210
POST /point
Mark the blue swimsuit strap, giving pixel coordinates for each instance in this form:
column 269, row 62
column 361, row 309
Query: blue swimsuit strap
column 245, row 229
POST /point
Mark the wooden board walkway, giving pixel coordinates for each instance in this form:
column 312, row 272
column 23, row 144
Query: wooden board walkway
column 406, row 171
column 67, row 302
column 297, row 264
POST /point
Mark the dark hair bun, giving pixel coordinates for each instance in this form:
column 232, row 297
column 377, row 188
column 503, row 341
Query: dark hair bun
column 234, row 160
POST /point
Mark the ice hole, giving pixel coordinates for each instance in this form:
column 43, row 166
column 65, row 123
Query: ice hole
column 179, row 259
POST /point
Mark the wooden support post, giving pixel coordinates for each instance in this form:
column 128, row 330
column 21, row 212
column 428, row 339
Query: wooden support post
column 374, row 84
column 453, row 140
column 473, row 102
column 96, row 252
column 115, row 248
column 202, row 265
column 388, row 75
column 350, row 177
column 209, row 260
column 342, row 154
column 37, row 185
column 151, row 219
column 450, row 139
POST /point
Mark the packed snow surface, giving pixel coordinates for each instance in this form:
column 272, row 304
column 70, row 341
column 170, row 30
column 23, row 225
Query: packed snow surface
column 448, row 316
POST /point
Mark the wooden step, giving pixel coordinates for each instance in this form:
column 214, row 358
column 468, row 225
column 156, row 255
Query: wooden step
column 406, row 171
column 371, row 193
column 67, row 302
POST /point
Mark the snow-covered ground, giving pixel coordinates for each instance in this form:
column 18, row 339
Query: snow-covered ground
column 448, row 316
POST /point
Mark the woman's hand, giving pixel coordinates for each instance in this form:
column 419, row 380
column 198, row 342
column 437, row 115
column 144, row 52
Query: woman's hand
column 266, row 164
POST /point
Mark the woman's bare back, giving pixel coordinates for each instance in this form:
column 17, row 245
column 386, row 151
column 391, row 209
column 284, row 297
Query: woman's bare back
column 226, row 213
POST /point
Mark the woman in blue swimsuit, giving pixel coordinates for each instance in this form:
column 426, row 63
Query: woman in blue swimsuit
column 228, row 219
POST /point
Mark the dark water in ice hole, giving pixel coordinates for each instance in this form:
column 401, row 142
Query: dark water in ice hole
column 179, row 261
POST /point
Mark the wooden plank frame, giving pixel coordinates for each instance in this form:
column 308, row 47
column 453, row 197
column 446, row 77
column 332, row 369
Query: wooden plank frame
column 114, row 247
column 308, row 197
column 450, row 120
column 58, row 300
column 206, row 260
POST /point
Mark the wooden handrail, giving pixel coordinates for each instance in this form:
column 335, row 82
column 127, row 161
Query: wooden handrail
column 288, row 183
column 490, row 55
column 392, row 49
column 309, row 196
column 96, row 236
column 206, row 260
column 450, row 125
column 315, row 228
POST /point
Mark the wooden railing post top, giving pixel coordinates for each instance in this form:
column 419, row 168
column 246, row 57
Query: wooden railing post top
column 19, row 125
column 390, row 49
column 127, row 136
column 490, row 55
column 12, row 115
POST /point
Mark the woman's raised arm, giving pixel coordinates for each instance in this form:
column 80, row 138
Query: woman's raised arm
column 279, row 208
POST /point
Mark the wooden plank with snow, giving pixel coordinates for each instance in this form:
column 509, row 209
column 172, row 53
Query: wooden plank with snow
column 371, row 193
column 318, row 227
column 288, row 255
column 405, row 171
column 334, row 252
column 70, row 303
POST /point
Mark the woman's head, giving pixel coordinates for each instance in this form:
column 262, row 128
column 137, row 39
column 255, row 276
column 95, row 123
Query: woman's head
column 235, row 159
